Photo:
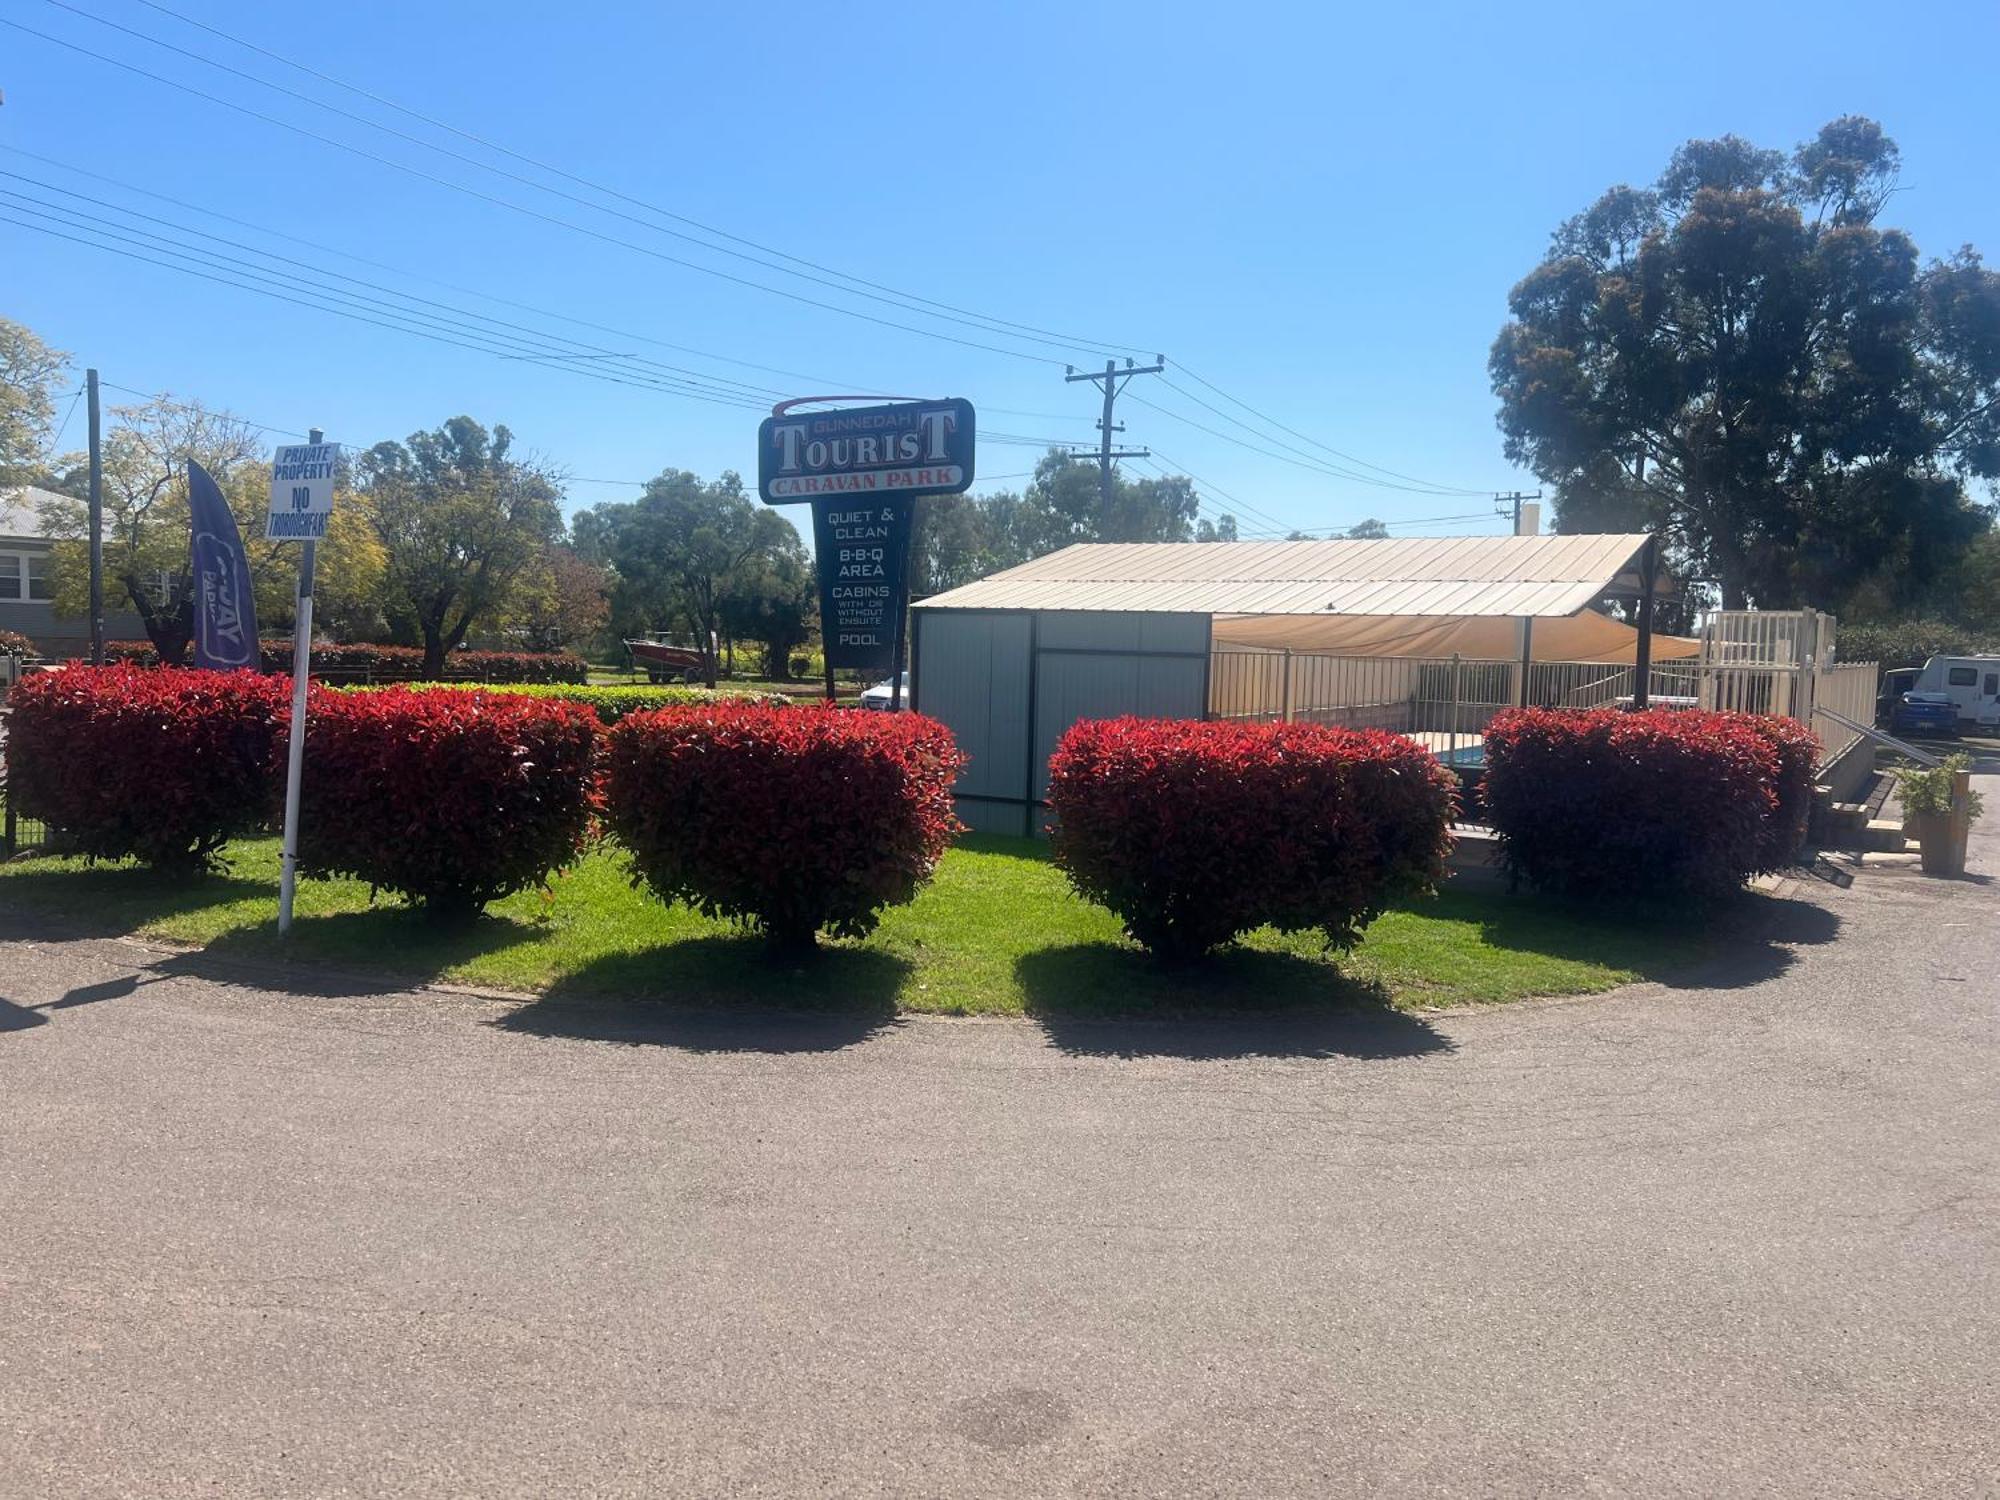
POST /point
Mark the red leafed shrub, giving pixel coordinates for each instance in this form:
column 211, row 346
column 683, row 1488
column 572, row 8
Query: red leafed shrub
column 163, row 766
column 405, row 663
column 1195, row 833
column 792, row 820
column 1604, row 802
column 1797, row 749
column 452, row 799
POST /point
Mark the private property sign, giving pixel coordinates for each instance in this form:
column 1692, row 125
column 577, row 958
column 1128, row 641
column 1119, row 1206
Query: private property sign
column 862, row 469
column 301, row 492
column 909, row 447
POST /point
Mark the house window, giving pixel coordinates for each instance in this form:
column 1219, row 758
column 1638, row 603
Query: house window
column 1962, row 677
column 25, row 575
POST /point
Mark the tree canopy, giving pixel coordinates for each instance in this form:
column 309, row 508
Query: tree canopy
column 461, row 521
column 1739, row 357
column 30, row 375
column 701, row 559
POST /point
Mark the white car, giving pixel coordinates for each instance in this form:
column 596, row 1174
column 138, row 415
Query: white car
column 878, row 696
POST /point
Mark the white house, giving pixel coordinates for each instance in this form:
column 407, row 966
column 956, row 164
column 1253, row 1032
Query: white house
column 27, row 583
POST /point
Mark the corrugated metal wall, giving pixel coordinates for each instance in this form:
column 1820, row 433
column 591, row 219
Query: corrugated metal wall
column 977, row 671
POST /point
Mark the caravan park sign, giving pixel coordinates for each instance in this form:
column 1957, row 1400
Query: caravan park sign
column 907, row 448
column 862, row 469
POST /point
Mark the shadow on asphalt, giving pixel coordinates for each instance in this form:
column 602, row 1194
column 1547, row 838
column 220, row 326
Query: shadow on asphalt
column 22, row 1017
column 1236, row 1003
column 1740, row 943
column 713, row 994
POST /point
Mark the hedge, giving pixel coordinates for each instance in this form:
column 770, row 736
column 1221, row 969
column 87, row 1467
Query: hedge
column 1676, row 803
column 405, row 663
column 790, row 820
column 613, row 703
column 448, row 798
column 165, row 767
column 13, row 643
column 1194, row 833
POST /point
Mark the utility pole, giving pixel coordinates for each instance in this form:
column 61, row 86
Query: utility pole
column 96, row 526
column 1111, row 381
column 1514, row 501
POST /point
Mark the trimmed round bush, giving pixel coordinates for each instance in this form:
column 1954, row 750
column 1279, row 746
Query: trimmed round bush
column 448, row 798
column 1195, row 833
column 1797, row 750
column 1662, row 802
column 165, row 767
column 793, row 821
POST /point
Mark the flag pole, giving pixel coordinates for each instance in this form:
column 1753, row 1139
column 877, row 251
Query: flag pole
column 288, row 873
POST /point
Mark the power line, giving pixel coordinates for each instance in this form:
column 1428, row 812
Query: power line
column 1243, row 507
column 56, row 447
column 499, row 301
column 1337, row 453
column 507, row 331
column 484, row 197
column 1048, row 335
column 338, row 311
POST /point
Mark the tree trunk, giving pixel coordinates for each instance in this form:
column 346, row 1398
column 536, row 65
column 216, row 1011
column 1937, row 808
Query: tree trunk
column 433, row 651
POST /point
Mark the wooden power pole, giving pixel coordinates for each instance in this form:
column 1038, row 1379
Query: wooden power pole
column 1111, row 380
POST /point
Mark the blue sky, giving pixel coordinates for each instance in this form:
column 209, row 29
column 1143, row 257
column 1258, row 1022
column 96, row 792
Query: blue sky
column 1319, row 209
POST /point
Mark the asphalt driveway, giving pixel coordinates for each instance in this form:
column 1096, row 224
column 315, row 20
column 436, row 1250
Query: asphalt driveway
column 1740, row 1236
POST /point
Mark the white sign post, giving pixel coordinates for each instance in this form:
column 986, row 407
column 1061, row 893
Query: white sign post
column 301, row 505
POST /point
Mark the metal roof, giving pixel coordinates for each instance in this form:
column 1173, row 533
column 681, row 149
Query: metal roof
column 20, row 512
column 1516, row 576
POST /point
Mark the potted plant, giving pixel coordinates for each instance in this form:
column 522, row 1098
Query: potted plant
column 1929, row 814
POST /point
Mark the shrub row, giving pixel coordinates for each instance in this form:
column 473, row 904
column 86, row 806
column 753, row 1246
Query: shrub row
column 1669, row 802
column 404, row 662
column 612, row 703
column 1194, row 833
column 793, row 820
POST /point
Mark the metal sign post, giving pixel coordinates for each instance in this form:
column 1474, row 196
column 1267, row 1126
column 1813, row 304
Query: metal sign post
column 301, row 503
column 862, row 470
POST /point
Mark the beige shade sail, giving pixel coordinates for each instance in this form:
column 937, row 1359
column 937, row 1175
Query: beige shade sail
column 1588, row 636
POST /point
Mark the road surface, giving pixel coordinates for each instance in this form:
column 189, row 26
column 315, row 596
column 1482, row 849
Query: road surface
column 1733, row 1237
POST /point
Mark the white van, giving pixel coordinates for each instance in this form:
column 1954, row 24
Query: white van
column 1971, row 682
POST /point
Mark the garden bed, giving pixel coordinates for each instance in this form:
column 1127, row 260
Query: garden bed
column 998, row 933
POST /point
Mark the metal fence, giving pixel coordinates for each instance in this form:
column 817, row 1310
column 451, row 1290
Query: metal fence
column 1447, row 702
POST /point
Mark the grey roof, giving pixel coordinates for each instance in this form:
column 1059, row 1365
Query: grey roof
column 1539, row 576
column 20, row 512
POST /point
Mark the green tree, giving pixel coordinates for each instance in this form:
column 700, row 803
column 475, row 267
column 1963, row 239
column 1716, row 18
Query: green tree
column 30, row 375
column 147, row 564
column 461, row 524
column 560, row 602
column 1222, row 529
column 686, row 549
column 1739, row 357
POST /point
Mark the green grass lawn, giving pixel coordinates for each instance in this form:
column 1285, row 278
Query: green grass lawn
column 998, row 932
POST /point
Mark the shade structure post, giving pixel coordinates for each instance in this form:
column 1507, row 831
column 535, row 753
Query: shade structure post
column 1527, row 658
column 1642, row 661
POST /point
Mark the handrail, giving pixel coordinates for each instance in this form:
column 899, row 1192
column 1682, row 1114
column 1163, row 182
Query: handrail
column 1921, row 757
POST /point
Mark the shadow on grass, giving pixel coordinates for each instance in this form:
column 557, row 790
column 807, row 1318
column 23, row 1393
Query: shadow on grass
column 109, row 900
column 1738, row 943
column 715, row 994
column 382, row 951
column 1110, row 1000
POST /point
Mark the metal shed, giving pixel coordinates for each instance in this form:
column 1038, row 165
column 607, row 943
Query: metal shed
column 1099, row 630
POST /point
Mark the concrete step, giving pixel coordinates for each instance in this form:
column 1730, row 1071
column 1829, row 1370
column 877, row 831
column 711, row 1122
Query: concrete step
column 1884, row 836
